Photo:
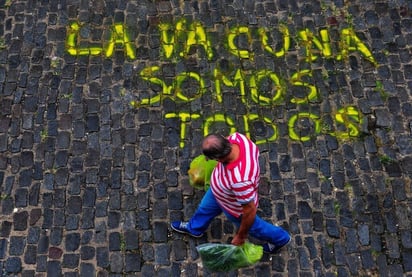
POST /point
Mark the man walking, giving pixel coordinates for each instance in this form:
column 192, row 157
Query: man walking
column 234, row 191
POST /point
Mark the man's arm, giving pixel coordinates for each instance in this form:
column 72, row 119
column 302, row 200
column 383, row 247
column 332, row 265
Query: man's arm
column 248, row 217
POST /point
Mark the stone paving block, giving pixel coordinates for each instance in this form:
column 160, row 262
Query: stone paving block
column 86, row 237
column 30, row 254
column 3, row 248
column 131, row 240
column 102, row 257
column 162, row 252
column 114, row 241
column 160, row 232
column 70, row 261
column 147, row 253
column 143, row 222
column 132, row 262
column 17, row 245
column 74, row 205
column 13, row 265
column 87, row 252
column 41, row 263
column 116, row 262
column 72, row 241
column 72, row 222
column 392, row 246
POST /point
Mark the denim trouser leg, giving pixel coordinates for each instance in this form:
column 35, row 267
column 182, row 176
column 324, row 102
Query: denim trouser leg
column 207, row 210
column 264, row 231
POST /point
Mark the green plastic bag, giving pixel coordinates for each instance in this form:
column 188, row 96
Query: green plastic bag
column 200, row 171
column 217, row 257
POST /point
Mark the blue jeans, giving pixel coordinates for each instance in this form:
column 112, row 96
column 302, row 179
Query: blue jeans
column 209, row 209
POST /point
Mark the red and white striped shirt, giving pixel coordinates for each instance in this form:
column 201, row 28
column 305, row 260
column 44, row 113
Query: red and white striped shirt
column 237, row 183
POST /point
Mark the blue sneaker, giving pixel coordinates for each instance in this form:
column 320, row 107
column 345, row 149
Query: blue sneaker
column 182, row 227
column 271, row 248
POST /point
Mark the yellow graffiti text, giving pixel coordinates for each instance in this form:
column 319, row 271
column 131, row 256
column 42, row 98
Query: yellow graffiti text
column 351, row 43
column 296, row 80
column 265, row 41
column 173, row 90
column 218, row 118
column 351, row 119
column 278, row 90
column 254, row 88
column 294, row 120
column 185, row 118
column 235, row 32
column 302, row 126
column 118, row 36
column 186, row 34
column 309, row 40
column 254, row 117
column 179, row 38
column 238, row 80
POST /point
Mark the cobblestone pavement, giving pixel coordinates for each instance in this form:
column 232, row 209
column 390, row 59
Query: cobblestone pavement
column 103, row 105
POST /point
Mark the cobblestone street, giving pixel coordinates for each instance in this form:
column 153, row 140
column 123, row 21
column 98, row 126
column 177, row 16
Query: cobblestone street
column 104, row 104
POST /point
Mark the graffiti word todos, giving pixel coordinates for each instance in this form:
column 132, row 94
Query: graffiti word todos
column 349, row 118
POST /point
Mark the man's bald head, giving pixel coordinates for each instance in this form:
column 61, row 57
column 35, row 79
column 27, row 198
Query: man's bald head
column 216, row 146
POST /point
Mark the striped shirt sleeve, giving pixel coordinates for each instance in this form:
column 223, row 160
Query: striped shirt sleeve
column 244, row 192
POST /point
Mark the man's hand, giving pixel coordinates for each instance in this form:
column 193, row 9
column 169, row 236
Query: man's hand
column 237, row 240
column 248, row 217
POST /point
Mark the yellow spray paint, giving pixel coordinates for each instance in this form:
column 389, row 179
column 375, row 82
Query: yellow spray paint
column 178, row 39
column 181, row 78
column 118, row 36
column 216, row 118
column 184, row 118
column 148, row 75
column 351, row 119
column 293, row 120
column 286, row 41
column 254, row 84
column 309, row 40
column 197, row 36
column 253, row 117
column 238, row 80
column 185, row 34
column 296, row 80
column 347, row 116
column 71, row 43
column 234, row 32
column 167, row 38
column 350, row 43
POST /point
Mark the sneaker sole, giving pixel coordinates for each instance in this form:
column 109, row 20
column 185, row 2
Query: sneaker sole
column 186, row 232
